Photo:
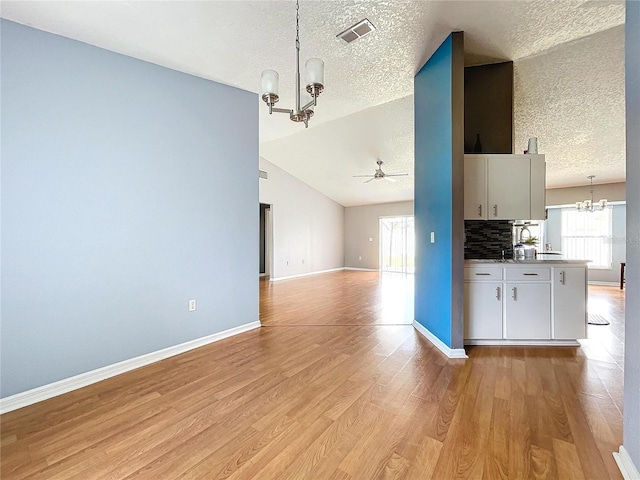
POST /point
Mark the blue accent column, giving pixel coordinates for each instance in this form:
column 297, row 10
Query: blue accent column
column 439, row 184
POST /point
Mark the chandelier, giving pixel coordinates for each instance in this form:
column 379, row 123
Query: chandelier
column 588, row 205
column 314, row 70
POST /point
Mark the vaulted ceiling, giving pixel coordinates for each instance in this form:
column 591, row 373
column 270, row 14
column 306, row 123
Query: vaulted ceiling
column 569, row 74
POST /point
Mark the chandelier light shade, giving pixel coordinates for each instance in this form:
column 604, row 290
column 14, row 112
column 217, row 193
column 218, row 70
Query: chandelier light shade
column 270, row 82
column 589, row 205
column 314, row 70
column 314, row 74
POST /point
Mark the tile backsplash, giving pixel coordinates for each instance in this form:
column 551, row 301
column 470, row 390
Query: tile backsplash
column 487, row 238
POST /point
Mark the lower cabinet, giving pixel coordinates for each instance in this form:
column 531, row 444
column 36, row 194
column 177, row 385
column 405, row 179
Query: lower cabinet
column 520, row 302
column 482, row 310
column 569, row 303
column 528, row 311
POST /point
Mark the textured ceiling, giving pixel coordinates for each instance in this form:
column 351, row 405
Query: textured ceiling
column 233, row 41
column 327, row 156
column 572, row 99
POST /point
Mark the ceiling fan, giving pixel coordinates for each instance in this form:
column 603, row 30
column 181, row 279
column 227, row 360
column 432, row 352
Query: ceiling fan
column 380, row 174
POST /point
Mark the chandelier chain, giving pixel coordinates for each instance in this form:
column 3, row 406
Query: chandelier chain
column 298, row 24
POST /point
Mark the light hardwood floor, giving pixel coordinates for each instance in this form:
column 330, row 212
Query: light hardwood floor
column 343, row 298
column 326, row 392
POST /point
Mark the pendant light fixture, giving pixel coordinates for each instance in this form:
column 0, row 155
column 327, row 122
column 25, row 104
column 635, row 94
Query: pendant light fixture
column 588, row 205
column 314, row 70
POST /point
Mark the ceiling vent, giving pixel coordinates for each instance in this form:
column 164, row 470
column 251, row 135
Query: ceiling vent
column 356, row 31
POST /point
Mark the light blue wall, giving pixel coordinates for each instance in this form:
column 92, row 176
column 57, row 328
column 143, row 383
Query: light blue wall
column 127, row 189
column 439, row 131
column 632, row 317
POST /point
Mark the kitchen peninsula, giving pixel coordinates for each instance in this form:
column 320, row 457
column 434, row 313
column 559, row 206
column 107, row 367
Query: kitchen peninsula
column 528, row 302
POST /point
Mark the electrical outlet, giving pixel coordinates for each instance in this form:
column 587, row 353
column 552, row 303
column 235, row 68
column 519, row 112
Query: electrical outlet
column 359, row 258
column 192, row 305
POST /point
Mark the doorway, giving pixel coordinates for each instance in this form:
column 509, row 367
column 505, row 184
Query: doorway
column 265, row 240
column 397, row 244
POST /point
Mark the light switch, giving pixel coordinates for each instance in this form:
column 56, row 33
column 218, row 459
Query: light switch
column 433, row 237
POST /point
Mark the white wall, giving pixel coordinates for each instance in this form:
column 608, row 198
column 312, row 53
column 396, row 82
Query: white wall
column 362, row 223
column 614, row 192
column 308, row 227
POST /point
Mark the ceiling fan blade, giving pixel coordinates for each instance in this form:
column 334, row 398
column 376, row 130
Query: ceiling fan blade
column 361, row 176
column 386, row 177
column 396, row 174
column 372, row 178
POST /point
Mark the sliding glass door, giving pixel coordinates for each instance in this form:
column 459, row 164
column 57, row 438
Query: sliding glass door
column 397, row 244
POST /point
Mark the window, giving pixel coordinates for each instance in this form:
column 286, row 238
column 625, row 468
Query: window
column 588, row 236
column 397, row 238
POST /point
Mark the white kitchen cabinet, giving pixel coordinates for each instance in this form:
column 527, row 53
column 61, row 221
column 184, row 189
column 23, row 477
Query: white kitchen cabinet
column 569, row 303
column 536, row 302
column 538, row 191
column 504, row 187
column 508, row 187
column 475, row 188
column 483, row 310
column 528, row 311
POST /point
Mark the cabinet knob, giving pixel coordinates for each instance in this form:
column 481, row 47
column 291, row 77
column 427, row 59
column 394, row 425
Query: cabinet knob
column 498, row 293
column 495, row 210
column 479, row 210
column 562, row 277
column 514, row 293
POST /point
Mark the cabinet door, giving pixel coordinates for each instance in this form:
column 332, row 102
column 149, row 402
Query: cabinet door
column 482, row 310
column 475, row 188
column 569, row 303
column 508, row 187
column 528, row 311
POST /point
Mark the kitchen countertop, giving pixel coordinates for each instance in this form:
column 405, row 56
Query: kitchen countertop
column 537, row 261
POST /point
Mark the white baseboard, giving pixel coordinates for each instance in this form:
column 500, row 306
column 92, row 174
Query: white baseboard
column 361, row 269
column 529, row 343
column 277, row 279
column 449, row 352
column 605, row 284
column 66, row 385
column 625, row 464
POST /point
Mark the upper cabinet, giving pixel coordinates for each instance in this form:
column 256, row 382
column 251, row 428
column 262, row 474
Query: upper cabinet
column 504, row 187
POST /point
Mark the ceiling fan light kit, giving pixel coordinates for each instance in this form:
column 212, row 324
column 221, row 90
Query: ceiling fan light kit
column 314, row 73
column 589, row 205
